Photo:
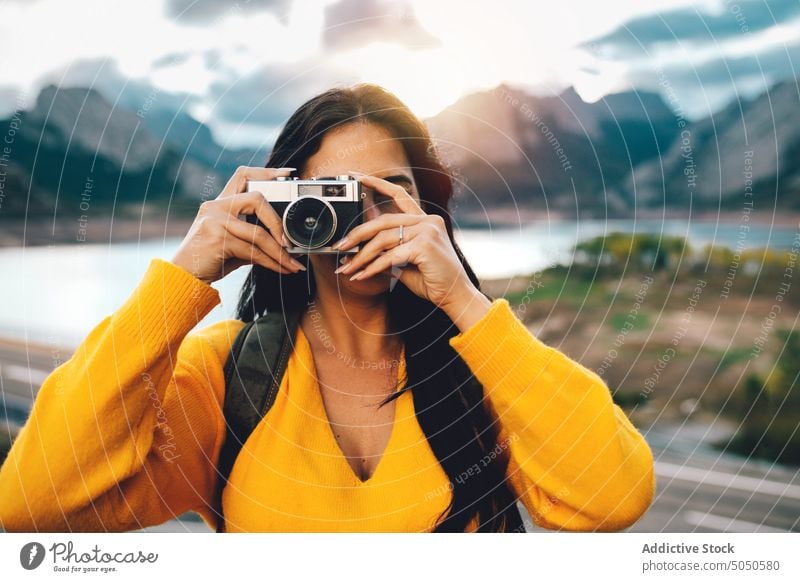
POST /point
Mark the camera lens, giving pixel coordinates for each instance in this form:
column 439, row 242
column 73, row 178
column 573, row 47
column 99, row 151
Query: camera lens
column 310, row 222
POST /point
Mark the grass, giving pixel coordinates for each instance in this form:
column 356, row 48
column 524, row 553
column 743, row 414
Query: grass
column 641, row 322
column 559, row 284
column 734, row 356
column 574, row 300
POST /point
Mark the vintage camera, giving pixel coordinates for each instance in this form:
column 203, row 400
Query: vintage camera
column 316, row 213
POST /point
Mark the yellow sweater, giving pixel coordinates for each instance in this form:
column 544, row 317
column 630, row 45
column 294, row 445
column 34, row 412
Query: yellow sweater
column 127, row 433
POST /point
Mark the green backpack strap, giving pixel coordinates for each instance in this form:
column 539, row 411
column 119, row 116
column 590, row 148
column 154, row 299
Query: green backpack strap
column 253, row 374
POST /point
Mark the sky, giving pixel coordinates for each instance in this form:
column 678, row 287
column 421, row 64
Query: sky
column 243, row 67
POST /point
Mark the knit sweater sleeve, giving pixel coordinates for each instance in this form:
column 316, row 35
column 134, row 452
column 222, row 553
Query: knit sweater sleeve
column 126, row 433
column 575, row 460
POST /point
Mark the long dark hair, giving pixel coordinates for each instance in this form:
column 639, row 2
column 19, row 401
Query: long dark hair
column 447, row 397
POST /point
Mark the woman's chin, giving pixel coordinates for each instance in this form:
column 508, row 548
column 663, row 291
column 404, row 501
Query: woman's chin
column 376, row 283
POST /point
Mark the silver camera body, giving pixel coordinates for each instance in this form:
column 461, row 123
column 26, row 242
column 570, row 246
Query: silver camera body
column 315, row 213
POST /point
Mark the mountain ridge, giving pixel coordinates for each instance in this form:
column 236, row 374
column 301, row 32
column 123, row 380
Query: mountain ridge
column 509, row 149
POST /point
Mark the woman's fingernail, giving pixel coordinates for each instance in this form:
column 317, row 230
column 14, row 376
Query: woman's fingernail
column 298, row 265
column 344, row 260
column 340, row 243
column 285, row 169
column 357, row 276
column 354, row 173
column 345, row 267
column 285, row 241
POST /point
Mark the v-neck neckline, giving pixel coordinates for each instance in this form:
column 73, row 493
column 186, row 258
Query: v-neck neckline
column 322, row 412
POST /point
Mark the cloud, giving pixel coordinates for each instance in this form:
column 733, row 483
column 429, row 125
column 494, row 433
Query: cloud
column 104, row 76
column 703, row 60
column 644, row 34
column 354, row 23
column 271, row 93
column 712, row 84
column 209, row 11
column 13, row 99
column 251, row 110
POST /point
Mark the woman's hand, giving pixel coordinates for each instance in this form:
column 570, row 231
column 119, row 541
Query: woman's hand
column 219, row 242
column 430, row 266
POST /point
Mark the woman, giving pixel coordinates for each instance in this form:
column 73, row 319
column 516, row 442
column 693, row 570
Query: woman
column 371, row 430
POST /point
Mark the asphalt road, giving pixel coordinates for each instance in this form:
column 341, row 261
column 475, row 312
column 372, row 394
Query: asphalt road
column 700, row 489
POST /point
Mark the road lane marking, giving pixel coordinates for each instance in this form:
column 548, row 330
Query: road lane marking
column 24, row 374
column 728, row 480
column 726, row 524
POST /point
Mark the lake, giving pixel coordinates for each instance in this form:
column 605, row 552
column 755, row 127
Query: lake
column 58, row 294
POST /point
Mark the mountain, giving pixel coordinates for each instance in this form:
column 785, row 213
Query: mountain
column 550, row 153
column 194, row 139
column 509, row 150
column 756, row 140
column 74, row 145
column 624, row 153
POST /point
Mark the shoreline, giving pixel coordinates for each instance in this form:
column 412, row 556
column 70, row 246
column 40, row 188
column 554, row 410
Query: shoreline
column 515, row 217
column 39, row 343
column 109, row 230
column 36, row 233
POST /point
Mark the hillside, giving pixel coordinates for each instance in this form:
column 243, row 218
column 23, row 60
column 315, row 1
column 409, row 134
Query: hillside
column 511, row 152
